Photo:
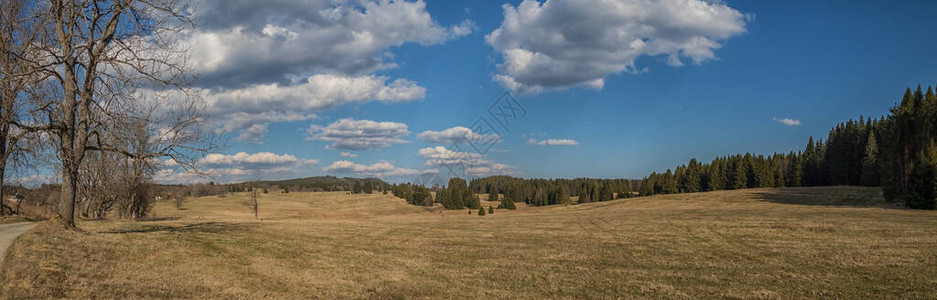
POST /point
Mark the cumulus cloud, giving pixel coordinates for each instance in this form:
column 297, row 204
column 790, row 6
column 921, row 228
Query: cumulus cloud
column 262, row 62
column 553, row 142
column 235, row 167
column 787, row 121
column 249, row 110
column 379, row 169
column 350, row 134
column 348, row 154
column 253, row 126
column 452, row 135
column 317, row 92
column 248, row 42
column 563, row 43
column 474, row 164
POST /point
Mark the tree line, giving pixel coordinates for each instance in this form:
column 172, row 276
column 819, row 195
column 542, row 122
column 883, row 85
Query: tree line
column 509, row 190
column 897, row 152
column 327, row 184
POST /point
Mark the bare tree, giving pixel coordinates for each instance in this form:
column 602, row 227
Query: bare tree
column 16, row 39
column 138, row 169
column 109, row 62
column 99, row 186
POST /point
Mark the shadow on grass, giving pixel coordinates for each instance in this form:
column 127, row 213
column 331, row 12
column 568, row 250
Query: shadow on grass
column 204, row 227
column 157, row 219
column 848, row 196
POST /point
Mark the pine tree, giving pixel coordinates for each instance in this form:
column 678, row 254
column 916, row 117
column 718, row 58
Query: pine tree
column 740, row 174
column 481, row 211
column 584, row 195
column 669, row 183
column 605, row 193
column 563, row 197
column 870, row 172
column 797, row 172
column 507, row 203
column 694, row 174
column 491, row 210
column 492, row 195
column 368, row 188
column 922, row 186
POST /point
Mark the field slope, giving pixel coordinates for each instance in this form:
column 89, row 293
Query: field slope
column 839, row 242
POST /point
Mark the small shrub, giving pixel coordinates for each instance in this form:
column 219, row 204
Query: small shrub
column 265, row 190
column 481, row 211
column 491, row 209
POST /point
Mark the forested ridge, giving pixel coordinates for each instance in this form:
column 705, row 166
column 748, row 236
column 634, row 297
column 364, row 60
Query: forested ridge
column 897, row 151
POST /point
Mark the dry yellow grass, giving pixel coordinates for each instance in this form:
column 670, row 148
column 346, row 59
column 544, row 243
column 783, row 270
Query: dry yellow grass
column 760, row 243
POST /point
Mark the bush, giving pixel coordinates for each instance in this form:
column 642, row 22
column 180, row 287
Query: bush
column 491, row 209
column 481, row 211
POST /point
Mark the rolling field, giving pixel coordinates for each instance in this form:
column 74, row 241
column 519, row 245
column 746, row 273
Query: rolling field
column 832, row 242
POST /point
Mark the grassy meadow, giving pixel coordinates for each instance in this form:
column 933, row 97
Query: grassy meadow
column 831, row 242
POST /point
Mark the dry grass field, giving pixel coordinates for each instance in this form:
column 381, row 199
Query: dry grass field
column 836, row 242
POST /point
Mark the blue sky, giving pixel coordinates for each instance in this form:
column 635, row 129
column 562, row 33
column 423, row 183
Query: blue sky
column 816, row 62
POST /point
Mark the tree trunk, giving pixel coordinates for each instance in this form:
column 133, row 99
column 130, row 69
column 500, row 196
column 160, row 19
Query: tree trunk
column 68, row 195
column 2, row 192
column 132, row 214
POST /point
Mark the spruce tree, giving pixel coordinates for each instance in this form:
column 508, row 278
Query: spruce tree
column 740, row 174
column 507, row 203
column 693, row 175
column 870, row 172
column 481, row 211
column 922, row 186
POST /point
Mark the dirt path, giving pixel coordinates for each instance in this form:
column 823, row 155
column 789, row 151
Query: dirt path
column 8, row 232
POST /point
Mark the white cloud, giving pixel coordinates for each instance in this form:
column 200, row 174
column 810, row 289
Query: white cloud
column 787, row 121
column 249, row 42
column 440, row 156
column 474, row 164
column 348, row 154
column 553, row 142
column 317, row 92
column 256, row 160
column 452, row 135
column 248, row 111
column 235, row 167
column 563, row 43
column 253, row 126
column 464, row 28
column 380, row 169
column 258, row 62
column 350, row 134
